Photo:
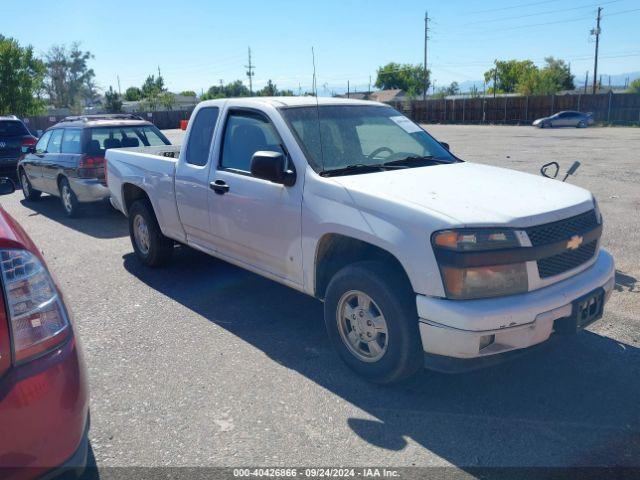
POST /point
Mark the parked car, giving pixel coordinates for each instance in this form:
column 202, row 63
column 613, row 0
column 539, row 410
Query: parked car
column 420, row 258
column 14, row 136
column 44, row 403
column 565, row 119
column 68, row 159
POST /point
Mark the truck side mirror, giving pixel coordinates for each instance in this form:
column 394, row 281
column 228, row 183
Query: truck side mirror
column 7, row 186
column 272, row 166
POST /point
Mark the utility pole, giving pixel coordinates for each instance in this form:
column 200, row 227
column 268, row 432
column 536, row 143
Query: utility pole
column 426, row 72
column 120, row 91
column 586, row 82
column 495, row 79
column 369, row 85
column 250, row 73
column 159, row 74
column 348, row 89
column 596, row 32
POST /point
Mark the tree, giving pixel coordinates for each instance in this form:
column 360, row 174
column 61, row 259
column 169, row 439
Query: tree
column 68, row 75
column 407, row 77
column 552, row 78
column 269, row 90
column 167, row 100
column 506, row 74
column 132, row 94
column 453, row 89
column 21, row 76
column 559, row 73
column 152, row 86
column 113, row 103
column 634, row 87
column 188, row 93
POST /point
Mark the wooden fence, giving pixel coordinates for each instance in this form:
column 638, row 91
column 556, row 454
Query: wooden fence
column 162, row 120
column 619, row 108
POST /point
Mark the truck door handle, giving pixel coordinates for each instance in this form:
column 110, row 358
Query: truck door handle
column 219, row 186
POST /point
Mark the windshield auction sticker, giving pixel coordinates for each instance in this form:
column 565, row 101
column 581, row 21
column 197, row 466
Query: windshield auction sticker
column 406, row 124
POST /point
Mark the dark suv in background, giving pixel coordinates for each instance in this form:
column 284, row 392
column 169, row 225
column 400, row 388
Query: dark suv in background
column 14, row 135
column 68, row 159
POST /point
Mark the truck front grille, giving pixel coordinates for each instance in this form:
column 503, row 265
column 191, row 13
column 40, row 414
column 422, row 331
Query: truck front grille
column 564, row 230
column 563, row 262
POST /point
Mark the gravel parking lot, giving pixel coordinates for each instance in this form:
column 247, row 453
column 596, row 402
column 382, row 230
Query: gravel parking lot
column 202, row 363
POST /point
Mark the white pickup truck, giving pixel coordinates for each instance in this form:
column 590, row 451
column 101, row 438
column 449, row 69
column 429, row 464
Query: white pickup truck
column 420, row 258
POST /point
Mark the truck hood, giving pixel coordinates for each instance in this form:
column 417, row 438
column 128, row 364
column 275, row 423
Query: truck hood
column 472, row 194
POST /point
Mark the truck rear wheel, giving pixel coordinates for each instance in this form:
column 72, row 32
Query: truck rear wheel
column 151, row 246
column 371, row 319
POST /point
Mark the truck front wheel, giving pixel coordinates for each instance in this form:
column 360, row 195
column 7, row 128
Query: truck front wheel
column 150, row 245
column 371, row 319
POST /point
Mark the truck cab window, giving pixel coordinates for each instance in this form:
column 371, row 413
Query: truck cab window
column 201, row 136
column 245, row 134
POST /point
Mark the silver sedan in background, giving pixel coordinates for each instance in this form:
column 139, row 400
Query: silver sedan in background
column 565, row 119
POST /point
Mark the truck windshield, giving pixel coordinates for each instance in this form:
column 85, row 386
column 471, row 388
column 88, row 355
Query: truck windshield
column 102, row 138
column 363, row 138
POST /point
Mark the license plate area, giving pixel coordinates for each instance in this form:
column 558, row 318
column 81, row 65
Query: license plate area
column 588, row 309
column 584, row 311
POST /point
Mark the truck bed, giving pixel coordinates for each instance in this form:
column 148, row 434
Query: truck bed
column 151, row 169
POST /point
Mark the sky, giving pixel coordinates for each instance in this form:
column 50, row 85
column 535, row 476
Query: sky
column 198, row 43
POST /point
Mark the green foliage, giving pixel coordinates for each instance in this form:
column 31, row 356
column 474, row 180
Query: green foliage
column 167, row 100
column 552, row 78
column 407, row 77
column 21, row 76
column 133, row 94
column 506, row 74
column 188, row 93
column 152, row 86
column 69, row 80
column 634, row 87
column 113, row 102
column 269, row 90
column 233, row 89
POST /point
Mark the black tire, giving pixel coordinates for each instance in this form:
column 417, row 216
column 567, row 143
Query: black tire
column 581, row 124
column 159, row 248
column 30, row 193
column 68, row 198
column 393, row 296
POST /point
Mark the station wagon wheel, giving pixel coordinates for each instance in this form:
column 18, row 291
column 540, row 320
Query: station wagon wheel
column 372, row 321
column 68, row 198
column 581, row 124
column 27, row 190
column 362, row 326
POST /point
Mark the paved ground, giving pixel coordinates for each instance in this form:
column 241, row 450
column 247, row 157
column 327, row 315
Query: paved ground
column 202, row 363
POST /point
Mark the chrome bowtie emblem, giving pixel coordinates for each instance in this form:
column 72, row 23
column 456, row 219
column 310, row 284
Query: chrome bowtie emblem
column 574, row 242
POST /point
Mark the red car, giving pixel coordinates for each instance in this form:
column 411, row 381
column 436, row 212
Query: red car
column 44, row 401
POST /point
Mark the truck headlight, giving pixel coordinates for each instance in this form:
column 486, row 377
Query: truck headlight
column 464, row 281
column 483, row 282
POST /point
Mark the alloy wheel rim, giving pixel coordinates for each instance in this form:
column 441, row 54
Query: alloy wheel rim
column 141, row 234
column 362, row 326
column 66, row 198
column 25, row 185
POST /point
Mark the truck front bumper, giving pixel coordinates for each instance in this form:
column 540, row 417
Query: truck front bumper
column 479, row 329
column 89, row 189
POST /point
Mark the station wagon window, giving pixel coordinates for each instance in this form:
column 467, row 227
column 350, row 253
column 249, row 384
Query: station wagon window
column 55, row 143
column 71, row 141
column 41, row 146
column 245, row 134
column 201, row 136
column 102, row 138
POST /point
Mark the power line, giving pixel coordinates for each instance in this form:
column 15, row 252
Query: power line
column 546, row 12
column 520, row 5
